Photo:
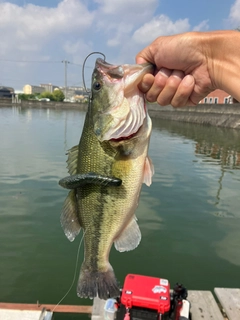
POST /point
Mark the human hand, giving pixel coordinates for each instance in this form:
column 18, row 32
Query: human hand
column 183, row 69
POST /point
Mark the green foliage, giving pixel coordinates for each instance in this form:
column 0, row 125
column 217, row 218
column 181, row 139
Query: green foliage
column 47, row 94
column 24, row 96
column 58, row 95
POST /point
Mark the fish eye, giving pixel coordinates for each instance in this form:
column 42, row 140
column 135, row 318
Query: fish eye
column 97, row 86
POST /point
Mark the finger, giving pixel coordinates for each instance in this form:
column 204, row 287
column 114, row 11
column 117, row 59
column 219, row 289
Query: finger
column 159, row 83
column 145, row 56
column 146, row 82
column 140, row 60
column 198, row 94
column 183, row 93
column 169, row 90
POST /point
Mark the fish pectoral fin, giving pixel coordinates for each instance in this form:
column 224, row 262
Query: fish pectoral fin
column 129, row 238
column 69, row 217
column 72, row 160
column 79, row 180
column 148, row 171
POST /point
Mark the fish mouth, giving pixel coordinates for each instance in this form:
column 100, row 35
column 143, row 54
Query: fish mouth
column 113, row 72
column 127, row 107
column 132, row 73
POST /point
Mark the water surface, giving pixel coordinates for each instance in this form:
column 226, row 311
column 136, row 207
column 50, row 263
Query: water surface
column 189, row 217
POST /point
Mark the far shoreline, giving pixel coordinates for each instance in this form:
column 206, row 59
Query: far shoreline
column 220, row 115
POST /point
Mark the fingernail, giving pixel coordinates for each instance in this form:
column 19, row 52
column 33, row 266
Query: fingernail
column 178, row 74
column 165, row 72
column 188, row 80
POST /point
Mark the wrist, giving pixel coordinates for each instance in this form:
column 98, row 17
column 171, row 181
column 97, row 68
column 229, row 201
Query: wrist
column 223, row 50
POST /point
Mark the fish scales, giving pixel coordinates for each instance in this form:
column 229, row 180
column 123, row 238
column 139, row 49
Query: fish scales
column 110, row 149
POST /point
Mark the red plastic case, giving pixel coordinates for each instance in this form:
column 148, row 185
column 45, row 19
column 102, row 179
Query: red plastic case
column 146, row 292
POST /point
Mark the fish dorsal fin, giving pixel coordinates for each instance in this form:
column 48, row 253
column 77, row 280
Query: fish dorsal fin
column 72, row 160
column 69, row 217
column 129, row 238
column 148, row 171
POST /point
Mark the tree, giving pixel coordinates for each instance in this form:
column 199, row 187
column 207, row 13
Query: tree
column 47, row 94
column 58, row 95
column 23, row 96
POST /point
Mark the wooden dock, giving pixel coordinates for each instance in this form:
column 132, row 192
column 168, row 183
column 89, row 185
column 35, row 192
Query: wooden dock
column 204, row 306
column 24, row 311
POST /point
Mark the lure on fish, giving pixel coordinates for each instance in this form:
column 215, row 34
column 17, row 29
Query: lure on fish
column 107, row 170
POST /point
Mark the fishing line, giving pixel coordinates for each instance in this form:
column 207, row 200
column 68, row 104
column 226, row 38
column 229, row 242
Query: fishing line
column 75, row 271
column 84, row 62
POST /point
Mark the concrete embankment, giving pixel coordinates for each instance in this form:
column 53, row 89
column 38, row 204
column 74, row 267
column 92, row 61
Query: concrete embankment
column 220, row 115
column 34, row 104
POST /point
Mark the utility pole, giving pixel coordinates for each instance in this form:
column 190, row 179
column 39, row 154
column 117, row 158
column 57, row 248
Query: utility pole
column 65, row 77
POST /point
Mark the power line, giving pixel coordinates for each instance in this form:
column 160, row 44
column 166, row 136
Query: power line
column 80, row 65
column 43, row 61
column 30, row 61
column 66, row 62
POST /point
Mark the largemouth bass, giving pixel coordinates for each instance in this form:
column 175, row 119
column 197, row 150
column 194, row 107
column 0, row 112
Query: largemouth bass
column 107, row 170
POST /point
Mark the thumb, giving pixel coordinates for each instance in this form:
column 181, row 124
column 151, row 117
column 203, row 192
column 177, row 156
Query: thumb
column 140, row 59
column 145, row 56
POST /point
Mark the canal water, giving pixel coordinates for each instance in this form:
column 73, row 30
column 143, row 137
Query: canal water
column 189, row 217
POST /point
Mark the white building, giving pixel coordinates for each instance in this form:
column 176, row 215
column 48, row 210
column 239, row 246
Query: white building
column 29, row 89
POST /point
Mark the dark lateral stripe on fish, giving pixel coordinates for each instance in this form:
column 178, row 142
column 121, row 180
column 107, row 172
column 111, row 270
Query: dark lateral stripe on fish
column 79, row 180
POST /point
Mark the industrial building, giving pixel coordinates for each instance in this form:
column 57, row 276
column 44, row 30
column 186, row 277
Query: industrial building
column 218, row 96
column 6, row 92
column 48, row 87
column 29, row 89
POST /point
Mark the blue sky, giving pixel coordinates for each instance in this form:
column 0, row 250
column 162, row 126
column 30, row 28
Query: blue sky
column 36, row 35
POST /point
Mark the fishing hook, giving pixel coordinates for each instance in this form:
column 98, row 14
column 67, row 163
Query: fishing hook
column 83, row 78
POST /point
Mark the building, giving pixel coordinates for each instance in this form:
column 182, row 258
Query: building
column 218, row 96
column 29, row 89
column 49, row 87
column 6, row 92
column 75, row 93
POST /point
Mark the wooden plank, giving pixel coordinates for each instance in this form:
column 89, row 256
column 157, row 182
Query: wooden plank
column 19, row 314
column 50, row 307
column 230, row 301
column 203, row 306
column 98, row 309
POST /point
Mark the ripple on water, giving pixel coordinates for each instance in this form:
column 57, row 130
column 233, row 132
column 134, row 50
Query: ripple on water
column 189, row 215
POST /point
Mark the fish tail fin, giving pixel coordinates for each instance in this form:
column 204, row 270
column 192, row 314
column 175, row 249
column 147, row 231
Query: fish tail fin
column 93, row 283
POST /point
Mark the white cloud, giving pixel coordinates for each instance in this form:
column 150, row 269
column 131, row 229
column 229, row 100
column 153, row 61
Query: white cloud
column 234, row 15
column 159, row 26
column 202, row 26
column 118, row 19
column 78, row 49
column 121, row 33
column 40, row 33
column 123, row 9
column 74, row 28
column 31, row 26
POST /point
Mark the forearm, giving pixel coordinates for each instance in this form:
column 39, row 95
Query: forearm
column 224, row 61
column 200, row 61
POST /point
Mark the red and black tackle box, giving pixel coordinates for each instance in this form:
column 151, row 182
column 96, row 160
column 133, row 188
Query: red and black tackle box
column 145, row 298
